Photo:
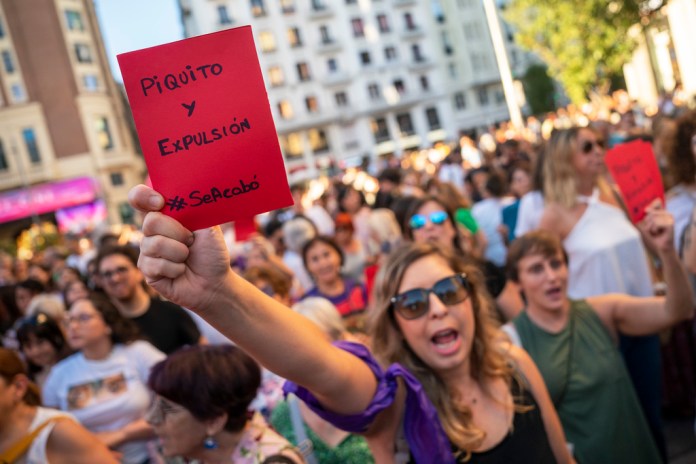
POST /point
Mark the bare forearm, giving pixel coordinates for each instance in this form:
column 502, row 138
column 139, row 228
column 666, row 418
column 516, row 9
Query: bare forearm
column 291, row 346
column 680, row 300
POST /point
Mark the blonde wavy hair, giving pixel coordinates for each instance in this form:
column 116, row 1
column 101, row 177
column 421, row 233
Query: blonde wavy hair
column 560, row 184
column 488, row 355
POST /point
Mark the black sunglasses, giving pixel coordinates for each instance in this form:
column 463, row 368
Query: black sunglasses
column 416, row 303
column 588, row 145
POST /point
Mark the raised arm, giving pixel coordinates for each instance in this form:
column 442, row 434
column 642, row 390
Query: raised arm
column 643, row 316
column 689, row 254
column 192, row 269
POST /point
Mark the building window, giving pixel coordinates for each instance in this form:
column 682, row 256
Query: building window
column 358, row 27
column 351, row 2
column 287, row 6
column 483, row 97
column 106, row 142
column 267, row 41
column 32, row 147
column 424, row 83
column 408, row 20
column 2, row 28
column 341, row 99
column 8, row 62
column 416, row 52
column 438, row 12
column 18, row 93
column 74, row 20
column 285, row 109
column 365, row 58
column 332, row 65
column 373, row 90
column 317, row 140
column 499, row 97
column 292, row 145
column 303, row 72
column 275, row 75
column 399, row 86
column 116, row 179
column 312, row 104
column 257, row 8
column 433, row 118
column 90, row 82
column 380, row 130
column 318, row 5
column 325, row 35
column 294, row 37
column 223, row 15
column 460, row 100
column 3, row 158
column 453, row 70
column 390, row 53
column 405, row 124
column 83, row 53
column 383, row 23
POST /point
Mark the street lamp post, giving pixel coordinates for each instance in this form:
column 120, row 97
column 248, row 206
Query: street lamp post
column 503, row 63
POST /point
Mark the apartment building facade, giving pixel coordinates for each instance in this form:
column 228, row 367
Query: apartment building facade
column 64, row 142
column 353, row 78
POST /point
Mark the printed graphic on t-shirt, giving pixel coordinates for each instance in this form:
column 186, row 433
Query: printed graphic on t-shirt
column 96, row 391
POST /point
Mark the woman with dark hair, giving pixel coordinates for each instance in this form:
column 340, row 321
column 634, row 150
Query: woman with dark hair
column 202, row 408
column 323, row 259
column 574, row 342
column 605, row 250
column 31, row 434
column 42, row 343
column 25, row 291
column 104, row 384
column 429, row 221
column 458, row 390
column 74, row 291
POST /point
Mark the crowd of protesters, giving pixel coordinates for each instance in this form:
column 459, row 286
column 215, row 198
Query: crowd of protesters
column 497, row 305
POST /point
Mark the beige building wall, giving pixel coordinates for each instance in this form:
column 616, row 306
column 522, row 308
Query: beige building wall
column 60, row 88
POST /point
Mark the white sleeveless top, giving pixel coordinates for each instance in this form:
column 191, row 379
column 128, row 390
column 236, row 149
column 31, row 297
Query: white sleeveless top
column 37, row 451
column 606, row 254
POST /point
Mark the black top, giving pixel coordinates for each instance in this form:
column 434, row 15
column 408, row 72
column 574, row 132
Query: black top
column 525, row 443
column 167, row 326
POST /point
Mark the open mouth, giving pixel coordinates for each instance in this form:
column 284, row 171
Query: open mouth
column 555, row 292
column 446, row 340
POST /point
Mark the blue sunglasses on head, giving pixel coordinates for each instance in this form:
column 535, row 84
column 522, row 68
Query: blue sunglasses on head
column 418, row 221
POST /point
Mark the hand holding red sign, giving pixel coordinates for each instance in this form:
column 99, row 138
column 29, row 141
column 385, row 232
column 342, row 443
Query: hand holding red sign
column 205, row 127
column 634, row 169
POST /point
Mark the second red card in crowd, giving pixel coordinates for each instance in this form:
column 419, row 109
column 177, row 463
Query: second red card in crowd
column 205, row 126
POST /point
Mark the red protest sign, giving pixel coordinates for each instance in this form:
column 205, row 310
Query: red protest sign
column 205, row 126
column 634, row 169
column 244, row 228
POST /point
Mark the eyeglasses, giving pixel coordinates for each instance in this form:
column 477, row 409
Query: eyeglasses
column 588, row 145
column 159, row 411
column 119, row 270
column 79, row 318
column 416, row 302
column 418, row 221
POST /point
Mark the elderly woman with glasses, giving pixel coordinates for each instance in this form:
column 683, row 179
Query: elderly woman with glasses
column 202, row 408
column 455, row 389
column 104, row 384
column 428, row 220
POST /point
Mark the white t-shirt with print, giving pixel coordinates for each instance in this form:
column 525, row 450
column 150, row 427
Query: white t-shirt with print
column 107, row 394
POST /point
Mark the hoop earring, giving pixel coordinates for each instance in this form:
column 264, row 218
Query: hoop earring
column 210, row 443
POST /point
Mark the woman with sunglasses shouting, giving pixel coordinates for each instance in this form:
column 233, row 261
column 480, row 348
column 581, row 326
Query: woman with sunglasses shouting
column 429, row 221
column 605, row 250
column 454, row 390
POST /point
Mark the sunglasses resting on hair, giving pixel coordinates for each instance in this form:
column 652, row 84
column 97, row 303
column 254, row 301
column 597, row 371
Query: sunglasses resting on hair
column 415, row 303
column 419, row 220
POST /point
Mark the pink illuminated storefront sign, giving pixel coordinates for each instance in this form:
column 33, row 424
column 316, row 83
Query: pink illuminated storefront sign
column 46, row 198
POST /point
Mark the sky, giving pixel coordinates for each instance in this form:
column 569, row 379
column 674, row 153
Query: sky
column 129, row 25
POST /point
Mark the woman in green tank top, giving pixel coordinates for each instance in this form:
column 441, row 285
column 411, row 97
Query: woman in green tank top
column 574, row 343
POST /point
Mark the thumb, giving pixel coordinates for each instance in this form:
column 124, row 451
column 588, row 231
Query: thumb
column 145, row 199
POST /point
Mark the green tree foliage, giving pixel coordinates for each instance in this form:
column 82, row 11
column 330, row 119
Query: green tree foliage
column 539, row 89
column 584, row 42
